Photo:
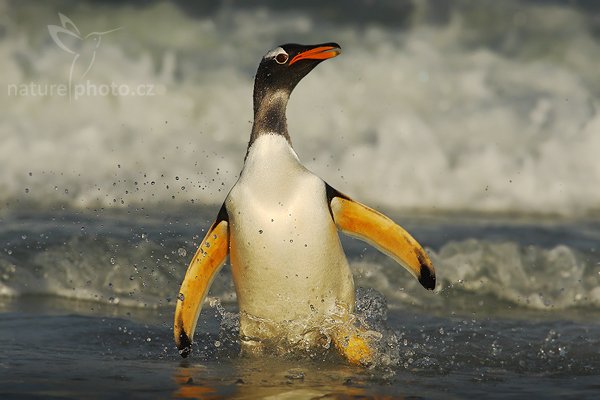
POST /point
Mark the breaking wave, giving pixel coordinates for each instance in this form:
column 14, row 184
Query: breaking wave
column 148, row 274
column 450, row 115
column 473, row 272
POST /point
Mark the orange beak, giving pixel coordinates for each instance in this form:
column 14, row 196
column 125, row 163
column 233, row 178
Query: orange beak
column 318, row 53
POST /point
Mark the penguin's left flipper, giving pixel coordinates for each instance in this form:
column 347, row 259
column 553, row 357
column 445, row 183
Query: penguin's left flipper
column 207, row 261
column 362, row 222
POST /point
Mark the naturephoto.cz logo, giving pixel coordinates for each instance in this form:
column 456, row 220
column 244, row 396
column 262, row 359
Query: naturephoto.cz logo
column 83, row 50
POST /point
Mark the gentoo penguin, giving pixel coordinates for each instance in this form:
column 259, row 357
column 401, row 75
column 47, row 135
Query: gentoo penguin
column 279, row 224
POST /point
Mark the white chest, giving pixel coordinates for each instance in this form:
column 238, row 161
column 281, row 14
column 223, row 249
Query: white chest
column 286, row 256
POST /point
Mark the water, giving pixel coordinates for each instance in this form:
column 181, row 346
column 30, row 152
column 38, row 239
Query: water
column 474, row 124
column 466, row 114
column 88, row 301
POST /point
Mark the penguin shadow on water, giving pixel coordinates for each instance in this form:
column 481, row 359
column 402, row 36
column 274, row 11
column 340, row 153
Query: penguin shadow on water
column 279, row 225
column 83, row 48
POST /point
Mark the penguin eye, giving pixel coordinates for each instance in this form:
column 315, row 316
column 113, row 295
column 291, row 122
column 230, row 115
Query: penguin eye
column 281, row 58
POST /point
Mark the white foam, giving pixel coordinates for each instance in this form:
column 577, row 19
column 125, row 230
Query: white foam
column 423, row 119
column 471, row 272
column 471, row 275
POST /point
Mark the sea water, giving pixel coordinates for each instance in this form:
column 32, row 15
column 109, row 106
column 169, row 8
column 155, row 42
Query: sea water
column 473, row 124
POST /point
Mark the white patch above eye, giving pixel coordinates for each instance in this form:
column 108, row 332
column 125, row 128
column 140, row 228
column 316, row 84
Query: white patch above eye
column 275, row 52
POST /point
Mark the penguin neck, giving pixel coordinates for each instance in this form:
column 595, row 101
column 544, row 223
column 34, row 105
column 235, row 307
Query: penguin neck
column 270, row 165
column 269, row 114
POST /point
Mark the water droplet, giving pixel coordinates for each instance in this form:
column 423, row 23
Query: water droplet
column 295, row 374
column 207, row 244
column 180, row 297
column 112, row 260
column 562, row 351
column 23, row 237
column 148, row 339
column 217, row 343
column 131, row 277
column 181, row 251
column 260, row 231
column 26, row 190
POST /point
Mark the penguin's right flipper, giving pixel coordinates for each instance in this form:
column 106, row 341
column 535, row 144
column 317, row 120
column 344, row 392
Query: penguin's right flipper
column 360, row 221
column 207, row 261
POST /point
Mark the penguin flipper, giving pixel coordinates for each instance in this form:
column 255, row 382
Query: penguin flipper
column 207, row 261
column 362, row 222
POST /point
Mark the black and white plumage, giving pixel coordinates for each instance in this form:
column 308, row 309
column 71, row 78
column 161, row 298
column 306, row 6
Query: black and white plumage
column 280, row 223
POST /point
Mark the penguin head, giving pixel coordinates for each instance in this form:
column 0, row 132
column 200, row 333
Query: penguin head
column 284, row 66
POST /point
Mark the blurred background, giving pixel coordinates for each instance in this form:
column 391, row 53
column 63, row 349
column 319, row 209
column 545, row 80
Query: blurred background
column 434, row 106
